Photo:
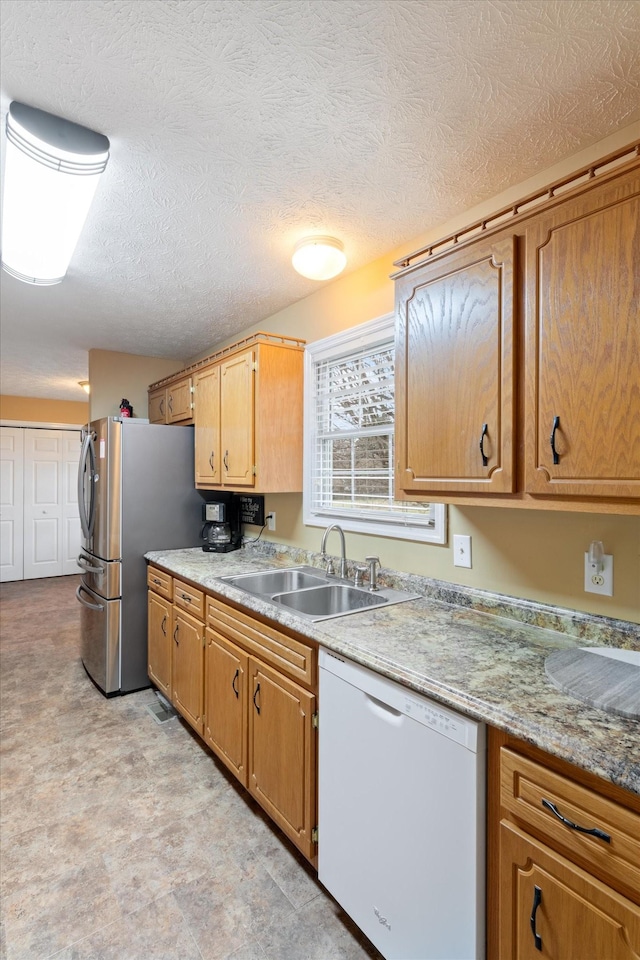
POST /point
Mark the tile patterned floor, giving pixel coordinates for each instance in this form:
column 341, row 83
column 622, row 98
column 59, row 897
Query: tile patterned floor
column 124, row 839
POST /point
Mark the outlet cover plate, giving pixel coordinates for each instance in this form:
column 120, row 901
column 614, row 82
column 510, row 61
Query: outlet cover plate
column 601, row 582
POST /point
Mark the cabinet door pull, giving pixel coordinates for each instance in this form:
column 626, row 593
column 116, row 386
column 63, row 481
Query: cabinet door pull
column 211, row 460
column 170, row 402
column 552, row 439
column 225, row 460
column 233, row 684
column 175, row 635
column 257, row 691
column 163, row 625
column 485, row 430
column 537, row 899
column 592, row 831
column 162, row 407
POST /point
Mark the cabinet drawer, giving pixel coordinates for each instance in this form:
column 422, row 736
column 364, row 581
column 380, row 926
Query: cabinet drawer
column 293, row 657
column 188, row 598
column 160, row 581
column 525, row 784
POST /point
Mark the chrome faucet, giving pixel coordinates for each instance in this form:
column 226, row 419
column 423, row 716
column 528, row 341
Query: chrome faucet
column 343, row 557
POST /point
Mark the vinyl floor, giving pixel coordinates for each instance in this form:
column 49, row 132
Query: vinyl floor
column 125, row 839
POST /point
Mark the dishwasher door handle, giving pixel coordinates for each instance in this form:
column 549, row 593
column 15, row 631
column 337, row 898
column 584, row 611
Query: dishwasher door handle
column 384, row 711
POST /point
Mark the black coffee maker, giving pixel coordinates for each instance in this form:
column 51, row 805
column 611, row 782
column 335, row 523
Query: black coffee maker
column 222, row 530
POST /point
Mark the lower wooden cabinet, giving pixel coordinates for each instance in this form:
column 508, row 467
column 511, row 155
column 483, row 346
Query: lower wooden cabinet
column 554, row 909
column 564, row 860
column 187, row 667
column 226, row 674
column 249, row 690
column 159, row 641
column 282, row 754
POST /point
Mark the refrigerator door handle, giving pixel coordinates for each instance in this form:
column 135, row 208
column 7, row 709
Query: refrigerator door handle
column 89, row 567
column 87, row 463
column 85, row 603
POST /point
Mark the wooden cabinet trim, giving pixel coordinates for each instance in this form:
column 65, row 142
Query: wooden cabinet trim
column 293, row 657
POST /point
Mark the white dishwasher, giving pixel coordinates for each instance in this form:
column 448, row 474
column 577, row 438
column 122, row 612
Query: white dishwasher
column 401, row 838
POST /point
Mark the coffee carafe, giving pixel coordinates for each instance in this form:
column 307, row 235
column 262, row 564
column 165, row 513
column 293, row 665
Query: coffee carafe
column 221, row 531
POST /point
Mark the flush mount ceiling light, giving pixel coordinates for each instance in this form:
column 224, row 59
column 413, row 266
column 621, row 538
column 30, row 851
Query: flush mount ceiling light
column 319, row 258
column 52, row 171
column 85, row 385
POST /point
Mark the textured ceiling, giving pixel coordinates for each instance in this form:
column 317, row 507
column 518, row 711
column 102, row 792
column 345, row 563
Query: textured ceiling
column 238, row 126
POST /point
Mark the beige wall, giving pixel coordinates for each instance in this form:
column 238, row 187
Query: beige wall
column 35, row 410
column 114, row 376
column 537, row 555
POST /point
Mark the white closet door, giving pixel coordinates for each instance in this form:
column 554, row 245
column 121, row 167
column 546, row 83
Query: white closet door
column 11, row 503
column 71, row 531
column 51, row 525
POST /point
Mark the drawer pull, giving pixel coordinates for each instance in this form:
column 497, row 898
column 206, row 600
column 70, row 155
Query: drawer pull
column 592, row 831
column 185, row 597
column 537, row 900
column 233, row 683
column 159, row 582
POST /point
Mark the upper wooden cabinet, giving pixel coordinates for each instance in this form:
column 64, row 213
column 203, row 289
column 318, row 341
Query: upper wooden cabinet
column 583, row 346
column 454, row 372
column 172, row 403
column 518, row 352
column 248, row 418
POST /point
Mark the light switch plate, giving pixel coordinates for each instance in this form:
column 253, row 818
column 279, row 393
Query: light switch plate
column 601, row 582
column 461, row 550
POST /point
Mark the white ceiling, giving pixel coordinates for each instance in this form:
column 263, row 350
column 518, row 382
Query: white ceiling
column 239, row 126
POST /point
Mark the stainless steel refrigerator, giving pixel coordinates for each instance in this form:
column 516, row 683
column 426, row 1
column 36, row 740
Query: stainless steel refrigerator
column 135, row 493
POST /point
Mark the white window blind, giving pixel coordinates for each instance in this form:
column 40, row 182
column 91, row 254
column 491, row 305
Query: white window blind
column 349, row 416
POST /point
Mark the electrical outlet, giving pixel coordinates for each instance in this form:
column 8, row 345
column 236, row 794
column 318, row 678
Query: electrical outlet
column 599, row 581
column 271, row 521
column 461, row 551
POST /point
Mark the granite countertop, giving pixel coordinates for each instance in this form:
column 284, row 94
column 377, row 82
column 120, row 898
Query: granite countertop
column 479, row 653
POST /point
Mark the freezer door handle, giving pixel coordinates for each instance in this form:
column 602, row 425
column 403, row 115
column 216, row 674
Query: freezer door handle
column 89, row 567
column 85, row 603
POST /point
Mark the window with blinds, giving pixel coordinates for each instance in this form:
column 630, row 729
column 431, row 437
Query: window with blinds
column 349, row 435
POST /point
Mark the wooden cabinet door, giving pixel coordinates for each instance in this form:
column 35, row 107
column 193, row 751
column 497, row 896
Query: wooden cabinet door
column 575, row 916
column 282, row 752
column 187, row 667
column 159, row 642
column 455, row 373
column 179, row 401
column 237, row 419
column 208, row 463
column 158, row 406
column 583, row 346
column 226, row 676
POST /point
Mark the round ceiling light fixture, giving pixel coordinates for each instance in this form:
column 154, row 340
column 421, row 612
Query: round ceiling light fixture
column 319, row 258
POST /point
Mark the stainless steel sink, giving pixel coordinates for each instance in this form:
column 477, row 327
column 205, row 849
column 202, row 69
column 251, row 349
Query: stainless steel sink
column 276, row 581
column 312, row 594
column 330, row 600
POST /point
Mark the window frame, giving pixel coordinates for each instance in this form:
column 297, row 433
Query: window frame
column 397, row 526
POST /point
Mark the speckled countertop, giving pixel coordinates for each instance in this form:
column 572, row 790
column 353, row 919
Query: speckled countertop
column 480, row 653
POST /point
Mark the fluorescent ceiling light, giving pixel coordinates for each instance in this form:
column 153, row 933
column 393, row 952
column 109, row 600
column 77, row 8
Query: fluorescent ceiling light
column 319, row 258
column 51, row 174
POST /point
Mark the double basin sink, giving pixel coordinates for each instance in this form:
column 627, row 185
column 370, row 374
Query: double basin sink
column 313, row 595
